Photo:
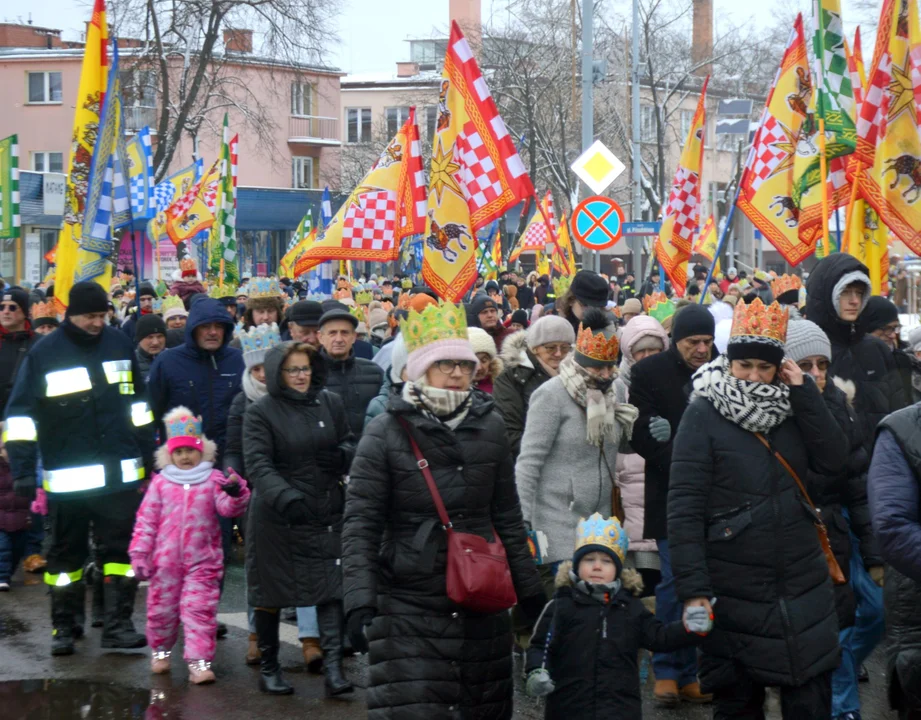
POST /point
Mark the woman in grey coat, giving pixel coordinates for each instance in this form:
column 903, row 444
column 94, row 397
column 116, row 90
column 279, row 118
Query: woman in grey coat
column 574, row 429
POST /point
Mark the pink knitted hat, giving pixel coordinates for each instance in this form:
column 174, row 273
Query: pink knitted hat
column 422, row 359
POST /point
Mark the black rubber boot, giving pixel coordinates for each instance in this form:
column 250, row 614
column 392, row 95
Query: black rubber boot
column 79, row 602
column 329, row 618
column 118, row 630
column 271, row 681
column 62, row 621
column 98, row 616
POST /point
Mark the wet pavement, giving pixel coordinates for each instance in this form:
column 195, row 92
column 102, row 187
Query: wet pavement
column 111, row 685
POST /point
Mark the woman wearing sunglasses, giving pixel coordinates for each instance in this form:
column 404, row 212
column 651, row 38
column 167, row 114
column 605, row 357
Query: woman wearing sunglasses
column 842, row 499
column 297, row 447
column 428, row 656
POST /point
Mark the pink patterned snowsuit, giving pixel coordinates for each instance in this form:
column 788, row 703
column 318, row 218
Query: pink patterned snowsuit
column 177, row 532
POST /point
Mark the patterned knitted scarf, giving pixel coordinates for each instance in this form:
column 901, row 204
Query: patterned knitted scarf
column 605, row 418
column 447, row 406
column 753, row 406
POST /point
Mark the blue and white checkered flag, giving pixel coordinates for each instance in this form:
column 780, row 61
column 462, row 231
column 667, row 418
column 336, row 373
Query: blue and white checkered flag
column 140, row 175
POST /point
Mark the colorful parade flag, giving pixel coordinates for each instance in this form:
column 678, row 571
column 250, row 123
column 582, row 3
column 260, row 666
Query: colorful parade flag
column 191, row 214
column 9, row 188
column 300, row 263
column 71, row 257
column 706, row 244
column 296, row 246
column 385, row 207
column 223, row 244
column 888, row 157
column 766, row 188
column 139, row 164
column 681, row 221
column 564, row 263
column 476, row 173
column 486, row 252
column 540, row 232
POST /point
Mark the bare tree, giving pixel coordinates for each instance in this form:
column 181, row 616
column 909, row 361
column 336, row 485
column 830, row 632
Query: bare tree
column 197, row 78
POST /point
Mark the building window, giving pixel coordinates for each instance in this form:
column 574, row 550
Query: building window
column 358, row 123
column 396, row 116
column 305, row 172
column 48, row 162
column 302, row 102
column 45, row 87
column 686, row 119
column 431, row 117
column 647, row 123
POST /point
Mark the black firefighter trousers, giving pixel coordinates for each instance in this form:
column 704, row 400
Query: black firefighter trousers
column 744, row 700
column 112, row 518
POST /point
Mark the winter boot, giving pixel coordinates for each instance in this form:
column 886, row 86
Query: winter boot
column 98, row 600
column 313, row 655
column 118, row 630
column 62, row 621
column 252, row 650
column 329, row 618
column 79, row 600
column 271, row 681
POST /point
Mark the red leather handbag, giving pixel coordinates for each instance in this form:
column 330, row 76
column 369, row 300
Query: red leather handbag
column 477, row 574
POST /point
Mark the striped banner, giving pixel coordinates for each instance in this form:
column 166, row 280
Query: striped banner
column 9, row 188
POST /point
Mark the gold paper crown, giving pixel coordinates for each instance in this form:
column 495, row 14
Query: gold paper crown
column 171, row 301
column 607, row 533
column 756, row 320
column 653, row 299
column 785, row 283
column 364, row 297
column 596, row 346
column 41, row 310
column 358, row 312
column 187, row 265
column 561, row 285
column 221, row 291
column 435, row 322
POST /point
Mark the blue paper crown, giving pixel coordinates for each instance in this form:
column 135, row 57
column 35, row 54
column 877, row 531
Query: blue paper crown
column 183, row 426
column 263, row 287
column 608, row 533
column 260, row 337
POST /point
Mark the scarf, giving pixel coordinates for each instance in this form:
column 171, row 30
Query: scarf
column 753, row 406
column 253, row 388
column 194, row 476
column 449, row 407
column 605, row 418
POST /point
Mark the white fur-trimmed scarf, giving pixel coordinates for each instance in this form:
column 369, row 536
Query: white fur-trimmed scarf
column 605, row 418
column 753, row 406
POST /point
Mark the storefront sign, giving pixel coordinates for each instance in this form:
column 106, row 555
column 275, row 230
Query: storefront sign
column 33, row 260
column 53, row 185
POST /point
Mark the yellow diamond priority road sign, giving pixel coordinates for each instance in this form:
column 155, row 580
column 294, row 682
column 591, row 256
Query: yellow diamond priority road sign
column 598, row 167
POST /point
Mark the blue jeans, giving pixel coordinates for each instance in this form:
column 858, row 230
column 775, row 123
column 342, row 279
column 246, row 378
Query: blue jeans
column 307, row 626
column 680, row 666
column 12, row 550
column 35, row 536
column 857, row 642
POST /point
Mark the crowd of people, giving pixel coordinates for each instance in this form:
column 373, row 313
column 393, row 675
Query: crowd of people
column 732, row 485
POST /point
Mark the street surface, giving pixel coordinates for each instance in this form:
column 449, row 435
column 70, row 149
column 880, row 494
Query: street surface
column 97, row 683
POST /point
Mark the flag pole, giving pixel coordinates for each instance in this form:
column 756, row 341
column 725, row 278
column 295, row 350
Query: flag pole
column 823, row 168
column 849, row 219
column 721, row 244
column 820, row 111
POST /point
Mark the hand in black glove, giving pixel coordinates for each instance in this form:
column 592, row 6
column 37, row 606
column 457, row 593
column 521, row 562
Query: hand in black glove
column 232, row 489
column 330, row 460
column 357, row 621
column 532, row 607
column 25, row 487
column 296, row 513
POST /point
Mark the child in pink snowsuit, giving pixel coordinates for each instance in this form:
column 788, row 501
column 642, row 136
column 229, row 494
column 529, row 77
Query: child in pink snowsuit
column 177, row 544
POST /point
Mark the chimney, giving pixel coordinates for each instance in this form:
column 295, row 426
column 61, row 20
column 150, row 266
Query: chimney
column 467, row 14
column 237, row 40
column 407, row 69
column 702, row 38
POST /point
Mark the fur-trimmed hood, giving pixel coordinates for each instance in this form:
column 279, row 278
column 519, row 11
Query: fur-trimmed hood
column 847, row 387
column 515, row 351
column 630, row 579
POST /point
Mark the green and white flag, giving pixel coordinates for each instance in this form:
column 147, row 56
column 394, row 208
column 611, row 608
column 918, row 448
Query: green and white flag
column 223, row 241
column 9, row 188
column 835, row 101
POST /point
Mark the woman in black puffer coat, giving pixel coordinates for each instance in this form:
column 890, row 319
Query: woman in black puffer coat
column 429, row 657
column 297, row 449
column 739, row 531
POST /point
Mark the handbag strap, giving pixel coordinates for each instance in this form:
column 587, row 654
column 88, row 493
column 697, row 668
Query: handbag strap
column 423, row 465
column 789, row 469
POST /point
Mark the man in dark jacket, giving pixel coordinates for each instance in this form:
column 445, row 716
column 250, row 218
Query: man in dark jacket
column 838, row 294
column 150, row 336
column 484, row 313
column 895, row 507
column 660, row 388
column 356, row 380
column 80, row 402
column 16, row 337
column 144, row 306
column 203, row 374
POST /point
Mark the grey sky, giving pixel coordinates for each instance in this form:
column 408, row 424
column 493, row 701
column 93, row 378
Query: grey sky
column 373, row 33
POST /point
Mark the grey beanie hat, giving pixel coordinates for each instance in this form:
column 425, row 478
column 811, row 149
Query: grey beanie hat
column 804, row 339
column 398, row 360
column 548, row 329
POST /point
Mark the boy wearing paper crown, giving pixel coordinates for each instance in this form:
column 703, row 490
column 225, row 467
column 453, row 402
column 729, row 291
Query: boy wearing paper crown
column 177, row 544
column 583, row 654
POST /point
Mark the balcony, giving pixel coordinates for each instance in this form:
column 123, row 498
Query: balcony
column 137, row 117
column 313, row 130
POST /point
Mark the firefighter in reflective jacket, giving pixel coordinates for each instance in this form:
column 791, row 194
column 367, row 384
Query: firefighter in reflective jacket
column 79, row 402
